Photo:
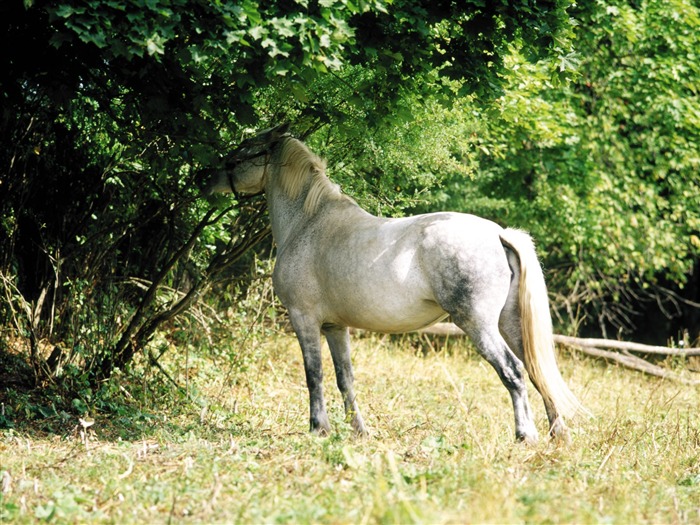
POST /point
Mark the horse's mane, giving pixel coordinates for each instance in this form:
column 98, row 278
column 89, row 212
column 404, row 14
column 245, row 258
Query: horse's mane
column 301, row 164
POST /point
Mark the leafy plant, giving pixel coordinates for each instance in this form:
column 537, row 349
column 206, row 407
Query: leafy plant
column 104, row 236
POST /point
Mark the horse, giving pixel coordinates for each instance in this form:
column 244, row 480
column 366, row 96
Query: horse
column 338, row 266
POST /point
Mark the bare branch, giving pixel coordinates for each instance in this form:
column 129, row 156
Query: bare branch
column 626, row 346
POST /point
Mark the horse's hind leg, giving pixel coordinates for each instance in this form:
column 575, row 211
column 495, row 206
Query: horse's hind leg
column 339, row 342
column 492, row 347
column 511, row 329
column 309, row 335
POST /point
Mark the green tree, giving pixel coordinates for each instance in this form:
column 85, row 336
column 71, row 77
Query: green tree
column 103, row 236
column 603, row 170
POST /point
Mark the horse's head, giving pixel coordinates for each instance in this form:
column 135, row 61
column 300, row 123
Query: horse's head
column 245, row 168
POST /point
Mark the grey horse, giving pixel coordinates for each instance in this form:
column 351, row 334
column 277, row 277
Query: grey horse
column 338, row 266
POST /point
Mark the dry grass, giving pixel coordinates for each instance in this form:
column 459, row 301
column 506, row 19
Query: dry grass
column 442, row 450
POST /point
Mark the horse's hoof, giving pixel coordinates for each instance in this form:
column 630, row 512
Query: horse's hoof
column 361, row 433
column 528, row 438
column 321, row 431
column 320, row 427
column 358, row 425
column 560, row 432
column 529, row 441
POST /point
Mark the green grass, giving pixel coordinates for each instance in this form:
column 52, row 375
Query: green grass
column 441, row 451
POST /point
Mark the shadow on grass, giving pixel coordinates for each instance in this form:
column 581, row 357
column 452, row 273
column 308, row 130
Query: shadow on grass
column 127, row 407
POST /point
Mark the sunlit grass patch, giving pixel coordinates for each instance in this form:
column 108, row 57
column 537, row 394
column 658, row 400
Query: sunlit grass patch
column 235, row 448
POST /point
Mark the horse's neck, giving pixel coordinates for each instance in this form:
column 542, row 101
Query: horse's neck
column 288, row 215
column 285, row 216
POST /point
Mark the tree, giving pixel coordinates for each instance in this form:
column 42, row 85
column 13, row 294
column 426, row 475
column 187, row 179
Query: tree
column 102, row 232
column 603, row 170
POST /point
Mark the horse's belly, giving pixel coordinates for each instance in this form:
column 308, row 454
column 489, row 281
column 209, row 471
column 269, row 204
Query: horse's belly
column 388, row 317
column 383, row 290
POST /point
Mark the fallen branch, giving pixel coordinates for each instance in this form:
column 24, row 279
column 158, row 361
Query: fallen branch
column 595, row 348
column 630, row 361
column 626, row 346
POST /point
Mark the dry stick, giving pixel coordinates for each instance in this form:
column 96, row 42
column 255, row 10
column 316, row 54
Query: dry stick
column 452, row 329
column 591, row 347
column 140, row 327
column 624, row 345
column 634, row 363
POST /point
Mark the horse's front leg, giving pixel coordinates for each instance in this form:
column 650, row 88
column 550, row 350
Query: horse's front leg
column 309, row 335
column 339, row 342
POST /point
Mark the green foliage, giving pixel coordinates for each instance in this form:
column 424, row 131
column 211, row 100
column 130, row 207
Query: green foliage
column 399, row 161
column 104, row 238
column 640, row 110
column 603, row 170
column 483, row 107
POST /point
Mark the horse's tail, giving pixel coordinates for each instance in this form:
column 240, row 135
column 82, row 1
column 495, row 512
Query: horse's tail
column 536, row 323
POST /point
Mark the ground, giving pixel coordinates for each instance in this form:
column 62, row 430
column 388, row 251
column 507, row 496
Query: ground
column 234, row 447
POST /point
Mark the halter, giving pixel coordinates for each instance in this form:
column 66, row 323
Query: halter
column 270, row 145
column 267, row 152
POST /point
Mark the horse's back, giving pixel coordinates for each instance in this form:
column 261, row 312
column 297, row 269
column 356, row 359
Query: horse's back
column 389, row 275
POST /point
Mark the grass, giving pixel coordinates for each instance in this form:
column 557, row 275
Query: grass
column 442, row 449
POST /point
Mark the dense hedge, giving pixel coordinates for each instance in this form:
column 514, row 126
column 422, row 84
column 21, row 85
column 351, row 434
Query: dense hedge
column 110, row 109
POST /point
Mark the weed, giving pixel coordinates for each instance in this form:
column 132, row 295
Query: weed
column 441, row 450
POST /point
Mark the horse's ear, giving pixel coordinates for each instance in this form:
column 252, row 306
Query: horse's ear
column 269, row 136
column 278, row 132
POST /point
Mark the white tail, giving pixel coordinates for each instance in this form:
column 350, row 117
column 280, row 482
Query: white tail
column 536, row 321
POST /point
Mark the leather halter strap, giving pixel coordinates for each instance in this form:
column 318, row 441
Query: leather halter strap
column 238, row 197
